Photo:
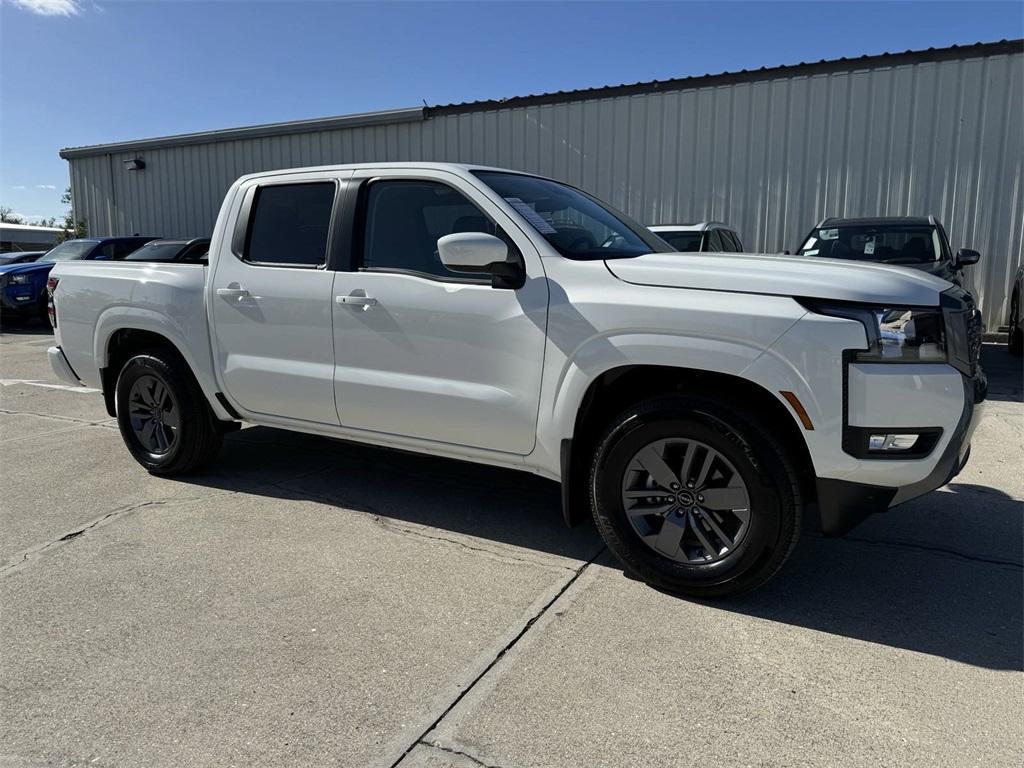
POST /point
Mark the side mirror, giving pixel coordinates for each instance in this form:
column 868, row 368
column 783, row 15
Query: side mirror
column 471, row 251
column 965, row 257
column 483, row 254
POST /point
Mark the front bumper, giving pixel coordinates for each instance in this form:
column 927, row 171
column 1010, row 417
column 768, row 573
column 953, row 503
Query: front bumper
column 845, row 504
column 19, row 299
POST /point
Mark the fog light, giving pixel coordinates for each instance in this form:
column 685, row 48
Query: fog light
column 892, row 442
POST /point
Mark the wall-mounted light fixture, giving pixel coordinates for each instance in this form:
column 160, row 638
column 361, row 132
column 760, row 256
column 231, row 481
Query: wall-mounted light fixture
column 135, row 164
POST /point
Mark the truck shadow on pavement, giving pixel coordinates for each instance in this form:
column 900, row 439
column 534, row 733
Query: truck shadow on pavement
column 941, row 575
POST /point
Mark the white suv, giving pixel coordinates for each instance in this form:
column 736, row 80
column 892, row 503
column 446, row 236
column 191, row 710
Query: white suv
column 703, row 237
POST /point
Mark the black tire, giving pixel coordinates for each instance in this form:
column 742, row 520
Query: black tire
column 196, row 439
column 761, row 460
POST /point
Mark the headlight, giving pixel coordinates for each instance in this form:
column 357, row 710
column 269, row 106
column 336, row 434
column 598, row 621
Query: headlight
column 19, row 280
column 895, row 334
column 905, row 334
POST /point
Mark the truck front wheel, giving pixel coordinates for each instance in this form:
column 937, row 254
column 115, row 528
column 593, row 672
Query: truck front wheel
column 694, row 497
column 163, row 416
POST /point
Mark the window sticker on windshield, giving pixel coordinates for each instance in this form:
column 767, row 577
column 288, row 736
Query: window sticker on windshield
column 869, row 248
column 531, row 216
column 810, row 243
column 811, row 253
column 829, row 234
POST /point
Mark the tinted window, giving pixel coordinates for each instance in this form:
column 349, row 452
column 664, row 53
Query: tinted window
column 684, row 242
column 738, row 246
column 576, row 225
column 155, row 252
column 289, row 224
column 405, row 219
column 715, row 241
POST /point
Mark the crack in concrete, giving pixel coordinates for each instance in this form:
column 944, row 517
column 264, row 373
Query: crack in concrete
column 33, row 552
column 907, row 544
column 72, row 419
column 394, row 527
column 422, row 738
column 450, row 750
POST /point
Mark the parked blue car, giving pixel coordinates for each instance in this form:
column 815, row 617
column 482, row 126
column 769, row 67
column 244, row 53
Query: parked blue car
column 23, row 286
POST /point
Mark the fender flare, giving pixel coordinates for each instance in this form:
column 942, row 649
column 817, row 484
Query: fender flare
column 125, row 317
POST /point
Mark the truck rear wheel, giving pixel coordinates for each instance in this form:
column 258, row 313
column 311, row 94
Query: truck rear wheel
column 693, row 497
column 163, row 416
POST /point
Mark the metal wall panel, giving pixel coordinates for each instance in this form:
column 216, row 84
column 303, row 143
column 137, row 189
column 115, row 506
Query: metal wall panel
column 770, row 155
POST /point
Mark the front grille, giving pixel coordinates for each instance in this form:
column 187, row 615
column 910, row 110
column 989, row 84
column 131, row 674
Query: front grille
column 975, row 330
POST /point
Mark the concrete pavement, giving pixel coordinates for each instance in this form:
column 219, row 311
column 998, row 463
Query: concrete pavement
column 308, row 602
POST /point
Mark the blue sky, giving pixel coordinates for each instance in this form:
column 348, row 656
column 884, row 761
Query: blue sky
column 76, row 72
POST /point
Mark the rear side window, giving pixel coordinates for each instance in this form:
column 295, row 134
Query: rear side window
column 405, row 219
column 715, row 243
column 290, row 223
column 737, row 245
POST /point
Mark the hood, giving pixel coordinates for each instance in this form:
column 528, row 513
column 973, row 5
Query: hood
column 30, row 266
column 803, row 276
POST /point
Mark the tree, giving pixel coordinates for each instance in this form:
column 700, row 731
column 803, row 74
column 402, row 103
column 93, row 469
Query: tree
column 72, row 227
column 10, row 217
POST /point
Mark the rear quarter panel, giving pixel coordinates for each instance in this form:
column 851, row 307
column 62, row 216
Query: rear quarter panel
column 94, row 300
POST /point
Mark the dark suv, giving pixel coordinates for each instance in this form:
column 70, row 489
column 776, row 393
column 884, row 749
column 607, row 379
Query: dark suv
column 909, row 241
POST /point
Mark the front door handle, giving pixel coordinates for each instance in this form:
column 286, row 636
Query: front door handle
column 357, row 301
column 235, row 292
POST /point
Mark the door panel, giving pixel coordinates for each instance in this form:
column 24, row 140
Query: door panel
column 445, row 360
column 272, row 321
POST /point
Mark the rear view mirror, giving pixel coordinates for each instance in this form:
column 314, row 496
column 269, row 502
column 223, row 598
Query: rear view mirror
column 965, row 257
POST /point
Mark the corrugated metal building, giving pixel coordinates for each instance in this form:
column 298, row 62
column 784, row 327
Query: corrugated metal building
column 771, row 151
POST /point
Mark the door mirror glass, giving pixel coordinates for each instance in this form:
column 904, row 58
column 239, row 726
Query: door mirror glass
column 471, row 251
column 965, row 257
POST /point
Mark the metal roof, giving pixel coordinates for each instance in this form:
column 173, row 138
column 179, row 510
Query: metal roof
column 415, row 114
column 383, row 117
column 722, row 78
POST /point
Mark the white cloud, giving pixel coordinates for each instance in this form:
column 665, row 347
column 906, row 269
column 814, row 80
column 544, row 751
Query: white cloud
column 50, row 7
column 45, row 186
column 19, row 186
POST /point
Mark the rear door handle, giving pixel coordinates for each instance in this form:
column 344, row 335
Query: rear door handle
column 357, row 301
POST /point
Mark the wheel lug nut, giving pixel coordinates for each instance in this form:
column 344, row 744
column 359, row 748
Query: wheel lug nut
column 700, row 498
column 675, row 486
column 689, row 485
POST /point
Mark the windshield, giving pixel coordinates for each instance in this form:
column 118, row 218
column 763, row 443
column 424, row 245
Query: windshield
column 73, row 249
column 577, row 225
column 155, row 252
column 683, row 242
column 890, row 244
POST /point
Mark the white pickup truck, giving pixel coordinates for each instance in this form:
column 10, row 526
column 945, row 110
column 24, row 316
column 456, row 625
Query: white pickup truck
column 694, row 405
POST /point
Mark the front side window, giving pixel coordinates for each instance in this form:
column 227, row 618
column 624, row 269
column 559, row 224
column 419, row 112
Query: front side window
column 889, row 244
column 406, row 217
column 576, row 225
column 289, row 224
